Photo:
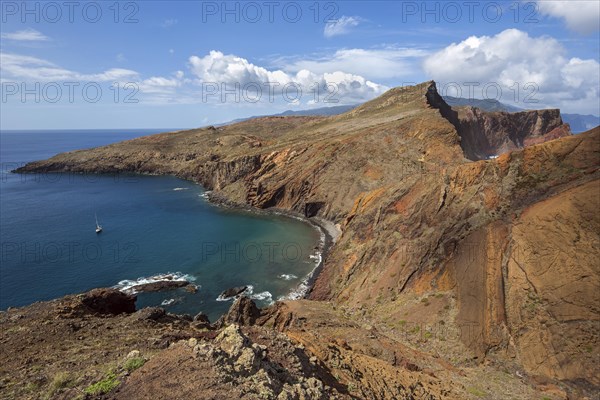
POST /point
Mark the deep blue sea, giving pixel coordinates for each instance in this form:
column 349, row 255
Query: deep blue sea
column 151, row 226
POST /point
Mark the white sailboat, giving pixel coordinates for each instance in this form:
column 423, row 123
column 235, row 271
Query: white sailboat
column 98, row 227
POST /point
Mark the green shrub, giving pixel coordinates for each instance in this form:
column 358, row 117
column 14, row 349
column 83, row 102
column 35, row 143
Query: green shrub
column 104, row 386
column 133, row 363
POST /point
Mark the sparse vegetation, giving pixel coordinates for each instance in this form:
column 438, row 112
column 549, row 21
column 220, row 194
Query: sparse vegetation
column 61, row 380
column 476, row 392
column 104, row 386
column 133, row 363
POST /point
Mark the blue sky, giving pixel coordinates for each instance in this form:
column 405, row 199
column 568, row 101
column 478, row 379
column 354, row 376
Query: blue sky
column 182, row 64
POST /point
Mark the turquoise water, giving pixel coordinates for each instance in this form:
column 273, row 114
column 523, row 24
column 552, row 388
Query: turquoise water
column 152, row 225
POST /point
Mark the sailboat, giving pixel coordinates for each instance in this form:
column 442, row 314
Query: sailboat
column 98, row 227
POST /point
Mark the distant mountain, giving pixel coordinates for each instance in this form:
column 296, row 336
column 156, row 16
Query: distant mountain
column 578, row 122
column 581, row 123
column 485, row 105
column 334, row 110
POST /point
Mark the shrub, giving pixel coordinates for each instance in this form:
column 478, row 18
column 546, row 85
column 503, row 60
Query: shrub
column 133, row 363
column 104, row 386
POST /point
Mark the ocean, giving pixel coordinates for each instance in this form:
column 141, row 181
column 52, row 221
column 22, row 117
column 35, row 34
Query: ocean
column 151, row 226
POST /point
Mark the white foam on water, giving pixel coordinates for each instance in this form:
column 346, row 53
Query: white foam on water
column 167, row 302
column 205, row 194
column 249, row 292
column 128, row 286
column 181, row 188
column 316, row 258
column 287, row 277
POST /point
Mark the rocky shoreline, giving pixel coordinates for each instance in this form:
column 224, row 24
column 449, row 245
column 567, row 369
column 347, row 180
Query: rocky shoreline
column 330, row 232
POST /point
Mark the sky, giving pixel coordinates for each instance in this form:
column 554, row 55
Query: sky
column 183, row 64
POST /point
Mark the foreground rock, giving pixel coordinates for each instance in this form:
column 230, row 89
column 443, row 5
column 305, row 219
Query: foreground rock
column 242, row 311
column 293, row 350
column 109, row 301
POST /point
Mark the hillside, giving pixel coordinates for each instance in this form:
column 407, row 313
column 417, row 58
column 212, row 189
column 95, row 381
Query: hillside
column 455, row 275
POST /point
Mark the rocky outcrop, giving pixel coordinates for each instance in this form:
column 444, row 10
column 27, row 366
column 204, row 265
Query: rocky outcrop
column 109, row 301
column 232, row 292
column 242, row 311
column 159, row 286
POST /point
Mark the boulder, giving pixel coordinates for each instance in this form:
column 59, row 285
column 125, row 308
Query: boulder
column 109, row 301
column 150, row 313
column 159, row 286
column 243, row 311
column 201, row 321
column 232, row 292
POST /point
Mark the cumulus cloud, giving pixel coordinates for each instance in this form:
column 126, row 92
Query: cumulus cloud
column 512, row 58
column 231, row 70
column 580, row 16
column 341, row 26
column 26, row 35
column 383, row 63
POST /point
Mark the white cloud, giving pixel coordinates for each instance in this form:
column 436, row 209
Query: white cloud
column 27, row 68
column 169, row 23
column 26, row 35
column 341, row 26
column 159, row 84
column 384, row 63
column 230, row 70
column 513, row 57
column 580, row 16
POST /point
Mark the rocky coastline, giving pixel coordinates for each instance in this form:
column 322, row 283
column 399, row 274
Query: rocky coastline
column 459, row 261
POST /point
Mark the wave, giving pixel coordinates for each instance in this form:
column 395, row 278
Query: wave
column 168, row 302
column 205, row 194
column 300, row 291
column 287, row 277
column 129, row 286
column 265, row 296
column 181, row 188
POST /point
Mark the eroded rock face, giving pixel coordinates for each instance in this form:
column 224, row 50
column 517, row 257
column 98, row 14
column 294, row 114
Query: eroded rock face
column 489, row 134
column 109, row 301
column 554, row 290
